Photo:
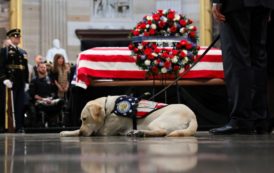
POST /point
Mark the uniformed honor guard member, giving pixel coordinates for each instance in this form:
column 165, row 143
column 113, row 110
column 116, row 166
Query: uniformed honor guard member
column 14, row 74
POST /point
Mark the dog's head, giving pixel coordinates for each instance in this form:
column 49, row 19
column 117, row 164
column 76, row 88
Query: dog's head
column 92, row 118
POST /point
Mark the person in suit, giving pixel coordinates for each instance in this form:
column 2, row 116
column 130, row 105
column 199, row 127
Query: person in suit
column 14, row 73
column 270, row 64
column 243, row 29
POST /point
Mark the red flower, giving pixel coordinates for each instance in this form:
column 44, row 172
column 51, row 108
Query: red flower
column 160, row 12
column 175, row 52
column 136, row 33
column 167, row 64
column 146, row 34
column 150, row 56
column 157, row 50
column 192, row 34
column 156, row 17
column 130, row 47
column 171, row 15
column 189, row 46
column 182, row 22
column 189, row 21
column 165, row 54
column 194, row 28
column 173, row 29
column 153, row 46
column 183, row 42
column 182, row 54
column 154, row 69
column 152, row 31
column 178, row 45
column 176, row 68
column 149, row 22
column 135, row 50
column 144, row 43
column 141, row 26
column 161, row 24
column 148, row 51
column 158, row 61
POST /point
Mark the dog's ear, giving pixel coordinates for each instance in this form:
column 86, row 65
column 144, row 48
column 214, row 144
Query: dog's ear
column 95, row 111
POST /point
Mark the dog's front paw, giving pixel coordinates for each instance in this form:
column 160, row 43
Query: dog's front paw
column 63, row 133
column 136, row 133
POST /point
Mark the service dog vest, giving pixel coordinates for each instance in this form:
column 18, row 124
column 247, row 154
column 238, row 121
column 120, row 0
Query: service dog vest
column 128, row 106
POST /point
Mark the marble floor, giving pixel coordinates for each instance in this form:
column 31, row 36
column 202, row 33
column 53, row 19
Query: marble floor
column 204, row 153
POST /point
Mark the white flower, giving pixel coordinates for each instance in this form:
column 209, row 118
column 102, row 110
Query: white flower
column 155, row 62
column 149, row 18
column 154, row 54
column 185, row 51
column 147, row 25
column 163, row 70
column 183, row 30
column 164, row 19
column 175, row 59
column 140, row 47
column 153, row 26
column 176, row 17
column 147, row 62
column 191, row 27
column 185, row 60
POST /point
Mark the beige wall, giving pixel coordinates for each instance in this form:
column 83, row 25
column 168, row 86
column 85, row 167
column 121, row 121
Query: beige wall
column 44, row 20
column 4, row 19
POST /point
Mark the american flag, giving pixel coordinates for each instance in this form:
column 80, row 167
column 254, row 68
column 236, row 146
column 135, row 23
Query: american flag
column 117, row 63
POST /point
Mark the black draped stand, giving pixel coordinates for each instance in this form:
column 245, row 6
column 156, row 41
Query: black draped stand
column 209, row 103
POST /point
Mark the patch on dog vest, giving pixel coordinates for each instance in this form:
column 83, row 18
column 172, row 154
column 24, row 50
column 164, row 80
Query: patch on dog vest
column 146, row 107
column 128, row 106
column 125, row 106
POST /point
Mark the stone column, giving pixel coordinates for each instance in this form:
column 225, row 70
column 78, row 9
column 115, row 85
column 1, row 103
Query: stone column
column 53, row 23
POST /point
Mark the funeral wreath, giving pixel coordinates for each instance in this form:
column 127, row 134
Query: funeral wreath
column 164, row 42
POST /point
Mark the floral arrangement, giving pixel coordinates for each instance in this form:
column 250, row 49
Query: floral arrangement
column 164, row 42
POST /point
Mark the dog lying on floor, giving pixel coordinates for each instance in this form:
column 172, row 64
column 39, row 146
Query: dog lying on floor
column 100, row 117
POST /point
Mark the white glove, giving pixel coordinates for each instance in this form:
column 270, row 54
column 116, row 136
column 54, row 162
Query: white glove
column 26, row 87
column 8, row 83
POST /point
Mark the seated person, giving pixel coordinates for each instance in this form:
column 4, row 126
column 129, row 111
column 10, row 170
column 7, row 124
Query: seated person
column 43, row 94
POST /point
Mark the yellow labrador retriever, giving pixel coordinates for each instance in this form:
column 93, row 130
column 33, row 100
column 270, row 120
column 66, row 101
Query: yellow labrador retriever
column 99, row 119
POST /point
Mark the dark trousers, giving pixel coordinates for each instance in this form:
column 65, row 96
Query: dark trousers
column 243, row 38
column 270, row 64
column 19, row 103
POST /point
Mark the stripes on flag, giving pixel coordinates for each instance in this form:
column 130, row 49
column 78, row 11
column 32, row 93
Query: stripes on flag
column 117, row 63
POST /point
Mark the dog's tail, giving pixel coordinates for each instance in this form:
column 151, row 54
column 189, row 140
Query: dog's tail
column 189, row 131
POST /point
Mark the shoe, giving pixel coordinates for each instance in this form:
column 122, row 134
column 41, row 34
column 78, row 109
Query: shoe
column 20, row 130
column 2, row 130
column 264, row 126
column 229, row 130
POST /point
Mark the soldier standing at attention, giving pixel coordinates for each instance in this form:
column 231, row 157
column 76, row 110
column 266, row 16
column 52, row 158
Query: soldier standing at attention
column 14, row 74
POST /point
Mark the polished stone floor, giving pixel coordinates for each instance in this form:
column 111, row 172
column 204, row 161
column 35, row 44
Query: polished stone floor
column 204, row 153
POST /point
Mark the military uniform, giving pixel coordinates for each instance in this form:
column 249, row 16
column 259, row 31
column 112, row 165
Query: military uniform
column 14, row 67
